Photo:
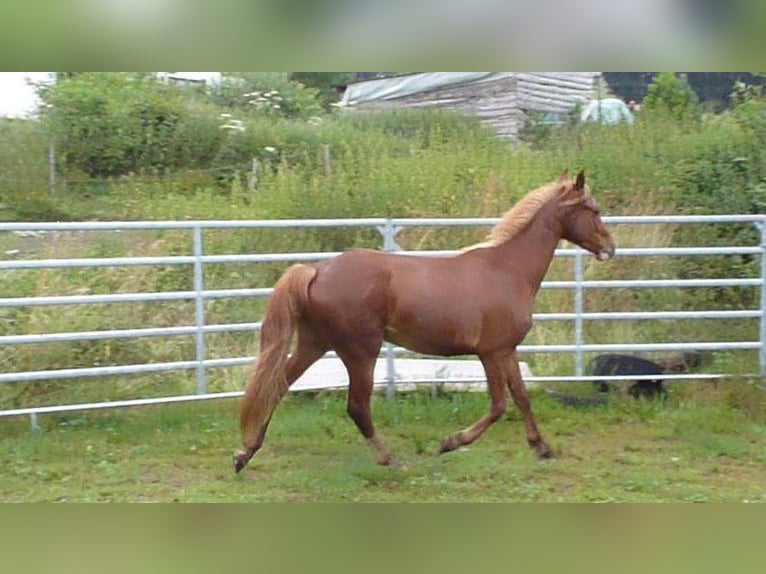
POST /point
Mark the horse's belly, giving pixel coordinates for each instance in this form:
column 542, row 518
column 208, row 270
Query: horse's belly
column 433, row 337
column 426, row 347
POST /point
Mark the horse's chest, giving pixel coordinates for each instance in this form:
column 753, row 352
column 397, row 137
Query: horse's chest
column 505, row 322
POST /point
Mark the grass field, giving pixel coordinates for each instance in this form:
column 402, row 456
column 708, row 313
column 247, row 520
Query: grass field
column 701, row 444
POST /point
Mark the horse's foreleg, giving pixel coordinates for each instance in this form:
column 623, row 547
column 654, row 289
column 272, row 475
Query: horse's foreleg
column 497, row 373
column 519, row 394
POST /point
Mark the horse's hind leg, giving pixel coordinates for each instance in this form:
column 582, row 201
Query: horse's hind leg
column 361, row 370
column 308, row 350
column 519, row 395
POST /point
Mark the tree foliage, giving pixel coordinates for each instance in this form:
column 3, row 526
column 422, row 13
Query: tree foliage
column 110, row 124
column 671, row 94
column 267, row 93
column 325, row 83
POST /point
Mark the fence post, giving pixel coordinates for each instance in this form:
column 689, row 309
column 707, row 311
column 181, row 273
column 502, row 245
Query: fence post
column 578, row 308
column 762, row 356
column 389, row 232
column 51, row 166
column 252, row 177
column 326, row 158
column 199, row 311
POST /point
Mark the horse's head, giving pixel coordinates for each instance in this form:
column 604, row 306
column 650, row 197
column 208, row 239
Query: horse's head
column 580, row 220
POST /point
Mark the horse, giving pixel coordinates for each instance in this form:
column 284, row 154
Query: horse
column 477, row 302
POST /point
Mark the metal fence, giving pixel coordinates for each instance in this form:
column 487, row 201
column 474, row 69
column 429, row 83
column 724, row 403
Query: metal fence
column 389, row 229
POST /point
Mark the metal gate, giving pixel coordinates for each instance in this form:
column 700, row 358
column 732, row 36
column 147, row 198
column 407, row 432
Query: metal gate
column 388, row 229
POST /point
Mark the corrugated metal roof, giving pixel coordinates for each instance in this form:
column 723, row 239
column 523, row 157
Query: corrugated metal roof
column 402, row 86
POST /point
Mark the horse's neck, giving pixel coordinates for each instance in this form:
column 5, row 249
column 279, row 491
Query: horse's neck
column 533, row 246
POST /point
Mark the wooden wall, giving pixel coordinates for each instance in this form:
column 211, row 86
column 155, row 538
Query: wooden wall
column 502, row 103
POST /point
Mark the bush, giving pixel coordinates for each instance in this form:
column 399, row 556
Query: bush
column 111, row 124
column 670, row 94
column 23, row 168
column 271, row 94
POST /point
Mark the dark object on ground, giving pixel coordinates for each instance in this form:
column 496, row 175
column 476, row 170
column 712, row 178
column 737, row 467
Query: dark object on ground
column 618, row 365
column 611, row 364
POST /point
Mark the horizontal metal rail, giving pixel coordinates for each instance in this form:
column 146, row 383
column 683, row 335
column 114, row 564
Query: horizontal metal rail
column 646, row 315
column 71, row 336
column 608, row 219
column 189, row 330
column 117, row 226
column 652, row 283
column 132, row 297
column 170, row 260
column 144, row 368
column 93, row 262
column 57, row 409
column 147, row 368
column 620, row 252
column 265, row 291
column 643, row 347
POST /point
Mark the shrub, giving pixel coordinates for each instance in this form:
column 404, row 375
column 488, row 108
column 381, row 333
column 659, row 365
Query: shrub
column 110, row 124
column 670, row 94
column 270, row 94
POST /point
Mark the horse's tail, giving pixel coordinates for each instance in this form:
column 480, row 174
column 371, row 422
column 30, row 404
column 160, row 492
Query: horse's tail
column 269, row 382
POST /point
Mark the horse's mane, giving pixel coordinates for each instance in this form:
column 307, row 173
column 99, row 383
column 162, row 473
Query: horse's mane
column 517, row 218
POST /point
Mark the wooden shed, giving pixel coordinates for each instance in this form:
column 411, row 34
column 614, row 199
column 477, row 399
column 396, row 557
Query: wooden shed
column 500, row 99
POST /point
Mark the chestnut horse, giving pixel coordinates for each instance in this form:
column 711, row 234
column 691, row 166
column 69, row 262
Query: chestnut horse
column 476, row 302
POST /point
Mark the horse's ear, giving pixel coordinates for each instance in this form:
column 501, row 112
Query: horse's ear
column 564, row 176
column 580, row 181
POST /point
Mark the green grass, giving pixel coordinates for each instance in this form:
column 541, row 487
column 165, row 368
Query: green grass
column 696, row 446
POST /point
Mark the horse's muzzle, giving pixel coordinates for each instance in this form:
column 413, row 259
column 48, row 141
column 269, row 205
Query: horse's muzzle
column 606, row 254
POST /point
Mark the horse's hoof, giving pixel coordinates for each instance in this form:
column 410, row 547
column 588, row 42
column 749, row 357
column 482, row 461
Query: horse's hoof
column 544, row 452
column 240, row 461
column 448, row 444
column 397, row 465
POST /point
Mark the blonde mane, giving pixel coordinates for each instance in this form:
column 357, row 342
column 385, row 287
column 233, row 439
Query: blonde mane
column 517, row 218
